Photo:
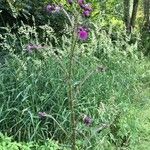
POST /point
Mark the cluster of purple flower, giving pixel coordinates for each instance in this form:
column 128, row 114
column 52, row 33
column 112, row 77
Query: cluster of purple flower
column 86, row 119
column 83, row 32
column 86, row 7
column 42, row 114
column 53, row 8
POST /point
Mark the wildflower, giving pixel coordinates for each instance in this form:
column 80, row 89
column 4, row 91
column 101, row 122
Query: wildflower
column 57, row 9
column 31, row 47
column 52, row 8
column 42, row 115
column 70, row 1
column 86, row 13
column 81, row 2
column 87, row 120
column 83, row 33
column 87, row 7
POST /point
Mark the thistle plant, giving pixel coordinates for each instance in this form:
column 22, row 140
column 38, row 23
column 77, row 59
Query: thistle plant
column 78, row 33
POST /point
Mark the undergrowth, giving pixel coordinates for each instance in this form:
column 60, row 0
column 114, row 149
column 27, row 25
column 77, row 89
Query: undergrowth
column 106, row 84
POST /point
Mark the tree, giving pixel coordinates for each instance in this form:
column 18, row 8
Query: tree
column 127, row 15
column 134, row 13
column 130, row 17
column 147, row 15
column 146, row 28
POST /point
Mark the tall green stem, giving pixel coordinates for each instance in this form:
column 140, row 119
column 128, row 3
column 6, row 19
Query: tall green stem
column 70, row 89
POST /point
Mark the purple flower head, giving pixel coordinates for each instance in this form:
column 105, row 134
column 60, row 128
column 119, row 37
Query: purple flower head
column 31, row 47
column 83, row 33
column 86, row 13
column 42, row 115
column 87, row 7
column 57, row 9
column 52, row 8
column 70, row 2
column 87, row 120
column 80, row 2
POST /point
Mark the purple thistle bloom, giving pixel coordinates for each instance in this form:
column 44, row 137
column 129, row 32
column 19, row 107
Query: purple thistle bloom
column 87, row 10
column 87, row 7
column 83, row 33
column 87, row 120
column 86, row 13
column 52, row 8
column 42, row 115
column 31, row 47
column 70, row 1
column 80, row 2
column 57, row 9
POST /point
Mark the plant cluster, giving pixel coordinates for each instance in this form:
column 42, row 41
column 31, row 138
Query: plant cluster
column 79, row 89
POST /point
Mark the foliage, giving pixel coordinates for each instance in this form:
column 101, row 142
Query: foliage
column 110, row 79
column 7, row 143
column 36, row 82
column 14, row 13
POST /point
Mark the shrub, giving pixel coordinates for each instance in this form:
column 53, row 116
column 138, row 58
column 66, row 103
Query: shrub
column 8, row 143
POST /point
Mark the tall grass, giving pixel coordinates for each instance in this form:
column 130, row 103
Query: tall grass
column 104, row 85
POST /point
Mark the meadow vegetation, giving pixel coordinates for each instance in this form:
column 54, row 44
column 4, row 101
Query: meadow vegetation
column 73, row 76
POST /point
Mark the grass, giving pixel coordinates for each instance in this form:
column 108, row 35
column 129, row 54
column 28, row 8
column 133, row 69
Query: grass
column 30, row 85
column 111, row 87
column 143, row 103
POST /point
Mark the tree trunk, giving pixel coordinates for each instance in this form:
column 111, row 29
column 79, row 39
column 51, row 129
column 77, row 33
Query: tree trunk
column 147, row 14
column 134, row 13
column 146, row 28
column 130, row 20
column 127, row 15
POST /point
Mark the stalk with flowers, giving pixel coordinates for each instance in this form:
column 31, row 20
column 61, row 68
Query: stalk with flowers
column 81, row 33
